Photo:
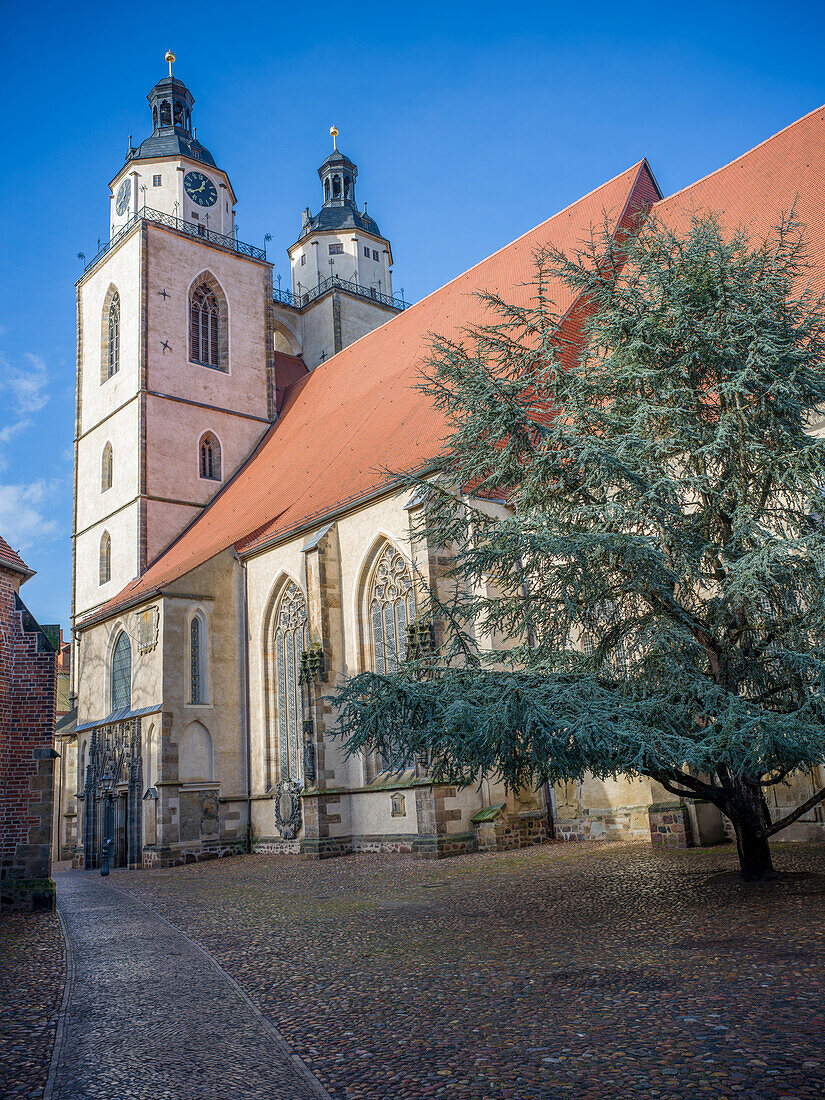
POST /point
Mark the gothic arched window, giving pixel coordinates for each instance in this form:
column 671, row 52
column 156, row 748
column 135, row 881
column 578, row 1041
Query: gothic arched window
column 210, row 457
column 290, row 643
column 107, row 467
column 198, row 687
column 113, row 341
column 392, row 607
column 105, row 558
column 122, row 673
column 203, row 326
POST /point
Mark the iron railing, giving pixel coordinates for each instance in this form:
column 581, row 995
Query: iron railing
column 335, row 282
column 190, row 229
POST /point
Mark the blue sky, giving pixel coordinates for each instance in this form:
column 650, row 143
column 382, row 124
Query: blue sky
column 470, row 123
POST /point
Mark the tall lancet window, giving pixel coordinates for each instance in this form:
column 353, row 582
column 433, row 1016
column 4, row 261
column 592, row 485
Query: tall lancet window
column 203, row 327
column 290, row 642
column 107, row 467
column 198, row 688
column 113, row 344
column 122, row 672
column 105, row 559
column 392, row 607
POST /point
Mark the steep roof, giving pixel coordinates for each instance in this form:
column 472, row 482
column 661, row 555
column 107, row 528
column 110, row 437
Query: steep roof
column 360, row 413
column 10, row 559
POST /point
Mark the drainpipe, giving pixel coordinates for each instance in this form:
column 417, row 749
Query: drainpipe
column 244, row 644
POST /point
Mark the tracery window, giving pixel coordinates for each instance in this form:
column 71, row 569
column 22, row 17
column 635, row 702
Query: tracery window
column 107, row 464
column 122, row 672
column 197, row 660
column 203, row 326
column 105, row 558
column 113, row 344
column 290, row 642
column 210, row 457
column 392, row 607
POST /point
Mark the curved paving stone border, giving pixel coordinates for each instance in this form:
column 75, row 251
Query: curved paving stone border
column 149, row 1014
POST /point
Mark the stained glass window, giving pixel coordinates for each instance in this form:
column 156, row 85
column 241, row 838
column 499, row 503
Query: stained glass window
column 290, row 642
column 392, row 607
column 113, row 360
column 203, row 326
column 122, row 673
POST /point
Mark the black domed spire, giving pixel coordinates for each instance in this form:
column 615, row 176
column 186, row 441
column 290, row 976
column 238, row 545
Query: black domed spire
column 171, row 104
column 339, row 211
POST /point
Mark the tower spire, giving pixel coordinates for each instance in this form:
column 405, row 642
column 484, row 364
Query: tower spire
column 170, row 57
column 334, row 132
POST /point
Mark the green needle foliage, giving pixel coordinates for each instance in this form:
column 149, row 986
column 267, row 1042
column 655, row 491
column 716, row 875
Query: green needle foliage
column 655, row 563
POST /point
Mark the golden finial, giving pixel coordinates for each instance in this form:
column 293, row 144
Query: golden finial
column 170, row 57
column 334, row 132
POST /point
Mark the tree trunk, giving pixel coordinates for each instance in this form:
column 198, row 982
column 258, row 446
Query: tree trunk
column 754, row 853
column 751, row 819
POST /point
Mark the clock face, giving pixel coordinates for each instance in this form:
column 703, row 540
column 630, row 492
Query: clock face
column 200, row 189
column 124, row 193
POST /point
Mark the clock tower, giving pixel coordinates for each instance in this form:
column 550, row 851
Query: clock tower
column 175, row 353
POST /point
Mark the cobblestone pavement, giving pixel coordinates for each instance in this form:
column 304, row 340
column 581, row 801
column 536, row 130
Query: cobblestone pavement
column 32, row 969
column 577, row 970
column 149, row 1015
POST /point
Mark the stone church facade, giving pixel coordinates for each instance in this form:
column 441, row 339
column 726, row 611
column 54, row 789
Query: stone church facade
column 239, row 544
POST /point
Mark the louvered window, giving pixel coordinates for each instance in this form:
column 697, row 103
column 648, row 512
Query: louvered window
column 105, row 559
column 290, row 642
column 203, row 327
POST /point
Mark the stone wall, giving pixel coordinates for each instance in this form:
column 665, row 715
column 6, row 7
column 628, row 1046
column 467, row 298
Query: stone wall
column 27, row 706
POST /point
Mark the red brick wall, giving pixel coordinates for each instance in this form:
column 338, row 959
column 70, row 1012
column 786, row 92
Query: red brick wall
column 27, row 715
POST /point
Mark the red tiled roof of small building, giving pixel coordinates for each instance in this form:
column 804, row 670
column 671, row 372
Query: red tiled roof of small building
column 10, row 559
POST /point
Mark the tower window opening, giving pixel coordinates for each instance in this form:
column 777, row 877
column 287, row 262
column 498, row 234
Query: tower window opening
column 155, row 117
column 347, row 187
column 165, row 113
column 204, row 326
column 210, row 458
column 113, row 343
column 156, row 181
column 178, row 113
column 105, row 559
column 374, row 254
column 336, row 249
column 336, row 187
column 107, row 466
column 366, row 252
column 303, row 260
column 326, row 190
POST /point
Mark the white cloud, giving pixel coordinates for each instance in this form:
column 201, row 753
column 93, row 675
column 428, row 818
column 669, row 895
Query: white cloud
column 28, row 385
column 24, row 513
column 8, row 433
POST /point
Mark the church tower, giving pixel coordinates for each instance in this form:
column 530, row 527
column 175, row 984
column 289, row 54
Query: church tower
column 341, row 271
column 174, row 356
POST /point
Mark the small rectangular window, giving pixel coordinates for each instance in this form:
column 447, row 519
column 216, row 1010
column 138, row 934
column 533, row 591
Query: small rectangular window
column 195, row 216
column 374, row 254
column 156, row 181
column 303, row 260
column 336, row 249
column 366, row 252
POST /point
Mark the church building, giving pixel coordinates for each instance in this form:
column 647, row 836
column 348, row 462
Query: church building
column 239, row 545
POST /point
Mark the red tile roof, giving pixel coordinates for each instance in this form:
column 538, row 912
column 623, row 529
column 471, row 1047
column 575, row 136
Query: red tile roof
column 360, row 413
column 10, row 559
column 288, row 369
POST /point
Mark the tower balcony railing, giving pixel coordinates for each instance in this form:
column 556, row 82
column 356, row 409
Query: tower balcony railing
column 197, row 230
column 335, row 282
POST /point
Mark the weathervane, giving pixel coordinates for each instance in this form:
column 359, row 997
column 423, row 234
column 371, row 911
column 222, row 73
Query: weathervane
column 334, row 132
column 170, row 57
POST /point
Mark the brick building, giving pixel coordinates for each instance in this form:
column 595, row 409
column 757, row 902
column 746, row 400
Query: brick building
column 27, row 710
